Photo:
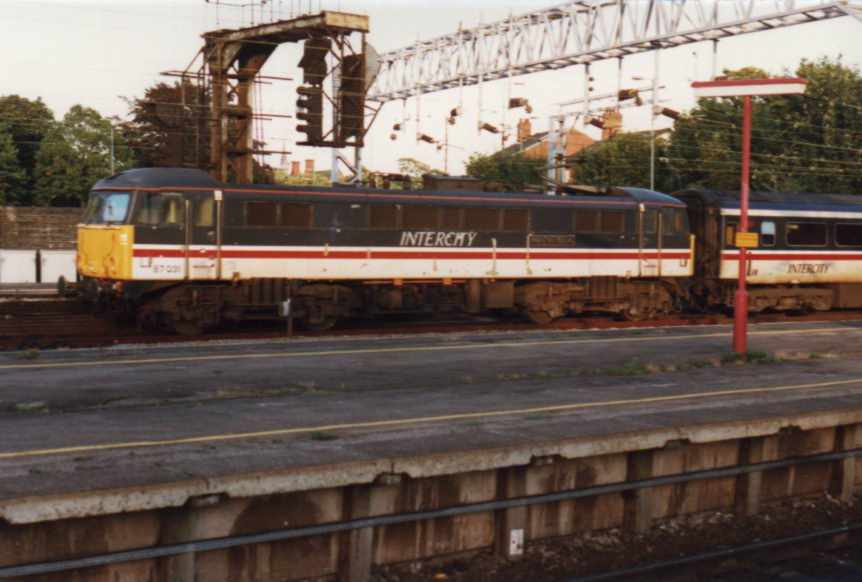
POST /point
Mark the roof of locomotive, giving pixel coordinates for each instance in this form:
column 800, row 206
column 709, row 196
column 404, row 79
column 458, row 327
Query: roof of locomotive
column 186, row 178
column 790, row 201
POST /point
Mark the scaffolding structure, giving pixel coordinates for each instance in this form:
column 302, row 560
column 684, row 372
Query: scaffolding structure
column 579, row 33
column 229, row 64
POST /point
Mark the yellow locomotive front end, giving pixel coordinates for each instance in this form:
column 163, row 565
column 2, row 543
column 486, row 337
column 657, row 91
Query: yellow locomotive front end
column 105, row 241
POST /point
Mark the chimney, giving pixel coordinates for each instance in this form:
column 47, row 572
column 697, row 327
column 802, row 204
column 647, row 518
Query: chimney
column 613, row 123
column 525, row 130
column 294, row 168
column 309, row 167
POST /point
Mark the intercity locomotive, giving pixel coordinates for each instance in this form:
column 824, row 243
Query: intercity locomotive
column 183, row 251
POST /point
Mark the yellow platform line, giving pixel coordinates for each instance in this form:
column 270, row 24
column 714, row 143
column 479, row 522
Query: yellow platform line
column 406, row 349
column 395, row 423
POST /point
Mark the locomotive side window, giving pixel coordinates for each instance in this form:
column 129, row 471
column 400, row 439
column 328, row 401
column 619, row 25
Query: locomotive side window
column 806, row 234
column 587, row 221
column 340, row 215
column 450, row 218
column 160, row 209
column 848, row 235
column 384, row 216
column 767, row 233
column 613, row 222
column 204, row 212
column 552, row 220
column 418, row 217
column 296, row 215
column 515, row 219
column 651, row 221
column 261, row 214
column 482, row 219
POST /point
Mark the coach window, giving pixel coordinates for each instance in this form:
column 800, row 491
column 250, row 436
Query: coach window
column 767, row 233
column 587, row 221
column 673, row 222
column 418, row 217
column 613, row 222
column 261, row 214
column 848, row 235
column 450, row 218
column 482, row 219
column 160, row 209
column 296, row 215
column 730, row 235
column 384, row 216
column 515, row 219
column 806, row 234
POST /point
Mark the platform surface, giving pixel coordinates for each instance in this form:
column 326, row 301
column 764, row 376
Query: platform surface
column 77, row 421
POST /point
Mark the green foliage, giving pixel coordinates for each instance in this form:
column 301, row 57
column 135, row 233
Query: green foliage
column 74, row 155
column 26, row 122
column 506, row 171
column 623, row 160
column 169, row 126
column 810, row 143
column 12, row 176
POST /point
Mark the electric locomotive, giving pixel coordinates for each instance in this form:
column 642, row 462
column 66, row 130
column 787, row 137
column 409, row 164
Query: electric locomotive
column 181, row 250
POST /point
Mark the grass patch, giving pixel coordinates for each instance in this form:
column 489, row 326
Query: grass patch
column 633, row 368
column 30, row 354
column 750, row 358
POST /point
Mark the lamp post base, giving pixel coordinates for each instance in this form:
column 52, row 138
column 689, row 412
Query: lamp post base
column 740, row 322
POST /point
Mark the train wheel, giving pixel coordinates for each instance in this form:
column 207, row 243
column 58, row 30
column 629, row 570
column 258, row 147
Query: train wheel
column 323, row 323
column 188, row 328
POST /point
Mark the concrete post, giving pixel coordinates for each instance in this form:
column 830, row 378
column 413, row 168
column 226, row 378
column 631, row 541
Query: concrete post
column 356, row 547
column 511, row 524
column 844, row 477
column 638, row 504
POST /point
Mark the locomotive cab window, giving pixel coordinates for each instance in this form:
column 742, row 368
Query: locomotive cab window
column 107, row 207
column 767, row 233
column 806, row 234
column 204, row 212
column 160, row 209
column 848, row 235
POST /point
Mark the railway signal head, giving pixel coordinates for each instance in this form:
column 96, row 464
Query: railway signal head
column 309, row 108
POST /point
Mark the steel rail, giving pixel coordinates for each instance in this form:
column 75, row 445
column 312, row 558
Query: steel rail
column 162, row 551
column 716, row 554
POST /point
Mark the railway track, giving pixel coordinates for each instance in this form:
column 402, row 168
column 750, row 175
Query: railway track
column 54, row 323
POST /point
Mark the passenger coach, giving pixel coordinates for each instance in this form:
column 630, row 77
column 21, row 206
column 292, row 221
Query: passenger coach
column 809, row 255
column 180, row 249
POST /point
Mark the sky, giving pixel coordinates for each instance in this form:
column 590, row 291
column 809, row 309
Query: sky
column 95, row 52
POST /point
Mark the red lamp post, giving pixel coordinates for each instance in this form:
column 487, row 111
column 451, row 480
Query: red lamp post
column 745, row 88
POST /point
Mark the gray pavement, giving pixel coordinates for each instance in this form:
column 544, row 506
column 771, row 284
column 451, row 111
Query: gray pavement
column 453, row 392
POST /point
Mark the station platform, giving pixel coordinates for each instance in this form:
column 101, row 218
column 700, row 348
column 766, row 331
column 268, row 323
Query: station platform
column 125, row 430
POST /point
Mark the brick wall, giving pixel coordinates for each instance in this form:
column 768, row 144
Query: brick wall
column 38, row 228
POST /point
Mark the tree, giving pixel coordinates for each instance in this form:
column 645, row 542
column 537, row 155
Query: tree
column 809, row 143
column 506, row 171
column 170, row 126
column 75, row 154
column 26, row 121
column 623, row 160
column 12, row 176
